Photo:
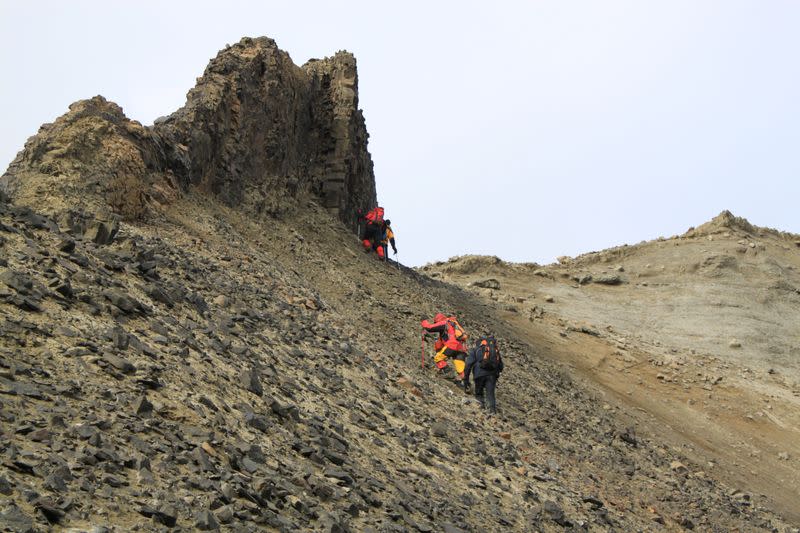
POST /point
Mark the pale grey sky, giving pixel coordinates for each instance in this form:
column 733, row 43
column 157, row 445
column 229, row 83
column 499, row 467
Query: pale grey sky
column 526, row 130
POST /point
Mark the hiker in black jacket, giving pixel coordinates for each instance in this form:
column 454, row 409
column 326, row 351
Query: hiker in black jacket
column 485, row 363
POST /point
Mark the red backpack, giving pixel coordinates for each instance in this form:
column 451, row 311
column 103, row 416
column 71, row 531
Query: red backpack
column 375, row 216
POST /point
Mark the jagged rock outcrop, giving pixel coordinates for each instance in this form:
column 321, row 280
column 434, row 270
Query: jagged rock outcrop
column 256, row 130
column 724, row 221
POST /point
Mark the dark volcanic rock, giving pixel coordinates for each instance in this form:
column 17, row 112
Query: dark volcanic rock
column 123, row 365
column 250, row 146
column 16, row 520
column 101, row 232
column 124, row 302
column 251, row 382
column 5, row 486
column 144, row 407
column 19, row 281
column 205, row 521
column 66, row 245
column 260, row 422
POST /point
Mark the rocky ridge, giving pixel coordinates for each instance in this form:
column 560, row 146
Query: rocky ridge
column 255, row 131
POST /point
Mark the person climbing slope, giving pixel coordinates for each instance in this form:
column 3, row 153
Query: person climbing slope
column 486, row 364
column 388, row 238
column 449, row 345
column 373, row 231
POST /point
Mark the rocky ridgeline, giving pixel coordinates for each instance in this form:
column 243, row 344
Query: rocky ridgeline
column 255, row 129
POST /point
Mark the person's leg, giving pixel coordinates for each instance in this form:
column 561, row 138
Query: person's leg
column 480, row 383
column 369, row 232
column 459, row 365
column 440, row 359
column 491, row 384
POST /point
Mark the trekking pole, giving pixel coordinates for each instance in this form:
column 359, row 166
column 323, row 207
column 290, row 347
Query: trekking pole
column 423, row 350
column 397, row 260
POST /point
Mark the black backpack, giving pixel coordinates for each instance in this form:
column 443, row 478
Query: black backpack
column 488, row 354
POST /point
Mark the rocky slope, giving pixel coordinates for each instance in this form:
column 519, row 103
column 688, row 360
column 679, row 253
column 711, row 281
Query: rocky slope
column 212, row 365
column 208, row 370
column 699, row 331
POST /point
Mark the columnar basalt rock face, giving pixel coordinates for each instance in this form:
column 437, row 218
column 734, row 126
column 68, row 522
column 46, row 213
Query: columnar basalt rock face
column 256, row 130
column 346, row 169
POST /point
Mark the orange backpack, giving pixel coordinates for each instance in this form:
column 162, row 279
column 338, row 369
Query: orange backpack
column 488, row 353
column 458, row 332
column 375, row 216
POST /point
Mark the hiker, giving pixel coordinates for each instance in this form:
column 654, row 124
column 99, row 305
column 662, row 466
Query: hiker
column 486, row 364
column 373, row 226
column 388, row 238
column 449, row 345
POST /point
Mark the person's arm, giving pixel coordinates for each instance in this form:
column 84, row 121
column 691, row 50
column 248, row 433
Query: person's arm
column 471, row 360
column 437, row 327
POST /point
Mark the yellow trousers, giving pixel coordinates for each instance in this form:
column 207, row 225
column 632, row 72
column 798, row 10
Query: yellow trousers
column 458, row 360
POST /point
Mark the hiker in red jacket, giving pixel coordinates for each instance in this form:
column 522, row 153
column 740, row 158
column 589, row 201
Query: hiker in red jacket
column 449, row 345
column 373, row 231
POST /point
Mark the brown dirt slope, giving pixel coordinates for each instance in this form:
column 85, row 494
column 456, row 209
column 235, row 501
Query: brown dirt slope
column 695, row 334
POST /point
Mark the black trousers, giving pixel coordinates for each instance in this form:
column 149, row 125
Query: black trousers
column 484, row 392
column 371, row 233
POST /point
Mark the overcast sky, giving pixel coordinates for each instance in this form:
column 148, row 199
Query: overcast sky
column 525, row 130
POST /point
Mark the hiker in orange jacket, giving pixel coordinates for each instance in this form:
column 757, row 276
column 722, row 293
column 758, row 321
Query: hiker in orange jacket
column 387, row 238
column 449, row 345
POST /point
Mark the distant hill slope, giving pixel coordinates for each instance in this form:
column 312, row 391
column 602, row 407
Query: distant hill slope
column 699, row 330
column 191, row 338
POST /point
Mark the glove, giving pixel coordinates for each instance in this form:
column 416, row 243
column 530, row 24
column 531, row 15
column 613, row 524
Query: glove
column 395, row 250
